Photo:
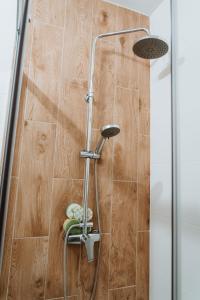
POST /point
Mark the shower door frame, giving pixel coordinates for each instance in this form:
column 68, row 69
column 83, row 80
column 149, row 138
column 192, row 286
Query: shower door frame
column 174, row 139
column 11, row 126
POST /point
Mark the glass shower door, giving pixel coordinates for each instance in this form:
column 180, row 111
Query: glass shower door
column 13, row 16
column 187, row 123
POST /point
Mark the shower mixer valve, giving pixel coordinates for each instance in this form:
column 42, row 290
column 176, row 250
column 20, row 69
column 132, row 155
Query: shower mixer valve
column 87, row 239
column 74, row 229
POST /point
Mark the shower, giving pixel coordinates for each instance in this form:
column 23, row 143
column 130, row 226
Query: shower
column 150, row 47
column 107, row 131
column 147, row 47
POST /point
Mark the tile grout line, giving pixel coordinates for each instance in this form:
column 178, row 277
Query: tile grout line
column 67, row 179
column 123, row 287
column 30, row 237
column 54, row 150
column 12, row 240
column 60, row 298
column 32, row 22
column 20, row 151
column 79, row 272
column 40, row 22
column 60, row 90
column 106, row 233
column 119, row 180
column 40, row 122
column 111, row 198
column 131, row 89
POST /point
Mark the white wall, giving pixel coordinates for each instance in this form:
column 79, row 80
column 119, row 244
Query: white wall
column 160, row 219
column 8, row 10
column 188, row 106
column 143, row 6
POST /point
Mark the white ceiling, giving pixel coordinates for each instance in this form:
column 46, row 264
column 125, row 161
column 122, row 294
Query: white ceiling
column 144, row 6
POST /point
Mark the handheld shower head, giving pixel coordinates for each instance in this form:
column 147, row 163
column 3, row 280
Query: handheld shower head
column 107, row 131
column 150, row 47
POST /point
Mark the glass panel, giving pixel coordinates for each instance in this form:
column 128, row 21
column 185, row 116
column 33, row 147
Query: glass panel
column 188, row 144
column 161, row 173
column 8, row 19
column 12, row 30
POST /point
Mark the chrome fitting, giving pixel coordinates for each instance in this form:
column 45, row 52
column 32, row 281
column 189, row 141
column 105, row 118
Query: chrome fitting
column 89, row 224
column 89, row 96
column 88, row 240
column 89, row 154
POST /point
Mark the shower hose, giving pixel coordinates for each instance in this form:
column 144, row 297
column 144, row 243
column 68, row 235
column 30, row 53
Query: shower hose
column 99, row 248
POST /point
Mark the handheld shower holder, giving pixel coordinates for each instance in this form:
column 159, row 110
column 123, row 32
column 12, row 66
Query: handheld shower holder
column 89, row 154
column 90, row 95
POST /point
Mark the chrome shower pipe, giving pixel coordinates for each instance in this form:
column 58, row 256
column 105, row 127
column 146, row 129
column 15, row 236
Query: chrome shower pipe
column 89, row 100
column 103, row 35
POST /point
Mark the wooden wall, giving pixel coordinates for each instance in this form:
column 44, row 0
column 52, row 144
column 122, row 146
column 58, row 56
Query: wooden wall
column 47, row 171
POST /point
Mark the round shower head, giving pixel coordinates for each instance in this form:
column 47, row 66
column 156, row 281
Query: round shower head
column 107, row 131
column 150, row 47
column 110, row 130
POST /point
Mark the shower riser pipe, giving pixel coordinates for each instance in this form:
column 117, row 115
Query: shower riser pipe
column 87, row 162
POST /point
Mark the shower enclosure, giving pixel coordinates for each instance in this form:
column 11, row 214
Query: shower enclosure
column 148, row 47
column 138, row 172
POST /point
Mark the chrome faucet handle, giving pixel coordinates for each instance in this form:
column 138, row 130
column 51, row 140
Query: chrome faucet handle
column 89, row 240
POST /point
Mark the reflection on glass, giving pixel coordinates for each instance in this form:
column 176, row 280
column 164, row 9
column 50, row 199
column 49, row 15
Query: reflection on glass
column 8, row 19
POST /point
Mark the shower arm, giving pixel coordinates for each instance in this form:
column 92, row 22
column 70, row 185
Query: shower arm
column 89, row 100
column 93, row 50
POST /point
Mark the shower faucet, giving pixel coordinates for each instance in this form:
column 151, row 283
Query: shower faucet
column 87, row 239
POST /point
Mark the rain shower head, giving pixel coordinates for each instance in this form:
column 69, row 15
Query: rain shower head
column 107, row 131
column 150, row 47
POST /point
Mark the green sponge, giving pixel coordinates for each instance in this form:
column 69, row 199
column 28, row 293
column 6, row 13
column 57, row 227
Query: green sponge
column 76, row 230
column 68, row 223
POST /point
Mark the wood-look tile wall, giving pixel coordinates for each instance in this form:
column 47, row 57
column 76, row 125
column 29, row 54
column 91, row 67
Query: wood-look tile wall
column 47, row 171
